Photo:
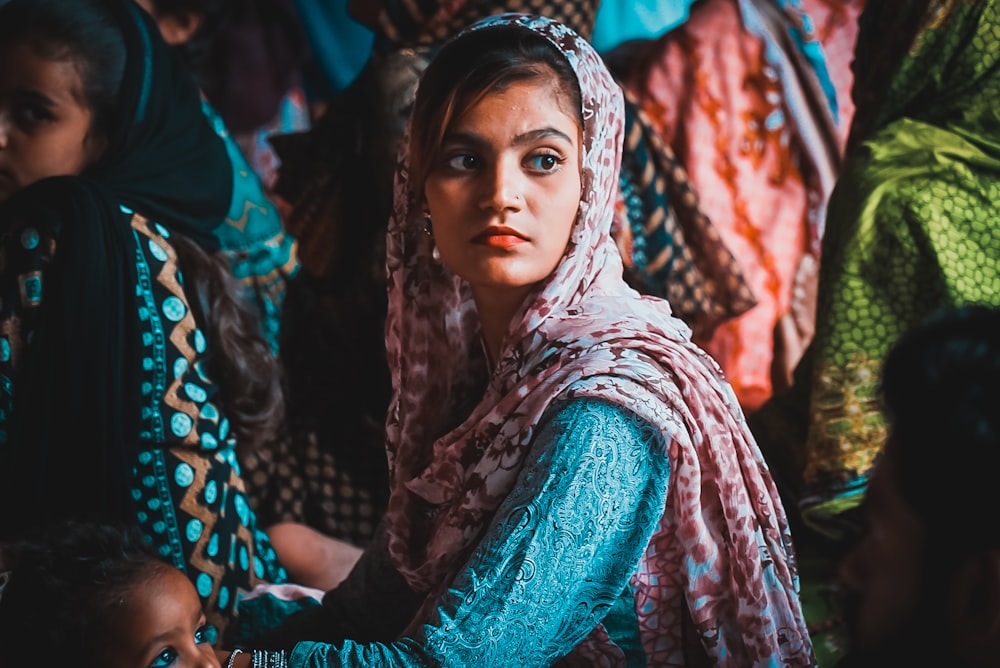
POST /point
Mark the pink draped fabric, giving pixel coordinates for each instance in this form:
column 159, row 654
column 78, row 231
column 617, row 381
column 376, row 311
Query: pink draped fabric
column 458, row 435
column 750, row 149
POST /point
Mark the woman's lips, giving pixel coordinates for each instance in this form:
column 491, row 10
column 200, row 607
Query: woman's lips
column 500, row 237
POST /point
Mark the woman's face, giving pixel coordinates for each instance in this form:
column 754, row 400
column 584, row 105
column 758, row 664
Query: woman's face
column 505, row 189
column 44, row 119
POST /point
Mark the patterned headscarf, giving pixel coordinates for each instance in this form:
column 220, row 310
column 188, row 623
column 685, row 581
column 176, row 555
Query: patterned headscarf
column 455, row 450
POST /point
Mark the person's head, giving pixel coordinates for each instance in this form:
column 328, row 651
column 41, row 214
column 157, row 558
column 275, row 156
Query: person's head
column 91, row 595
column 181, row 21
column 244, row 54
column 495, row 155
column 443, row 307
column 190, row 26
column 61, row 67
column 928, row 564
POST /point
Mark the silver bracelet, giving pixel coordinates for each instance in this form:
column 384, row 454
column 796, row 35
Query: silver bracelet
column 232, row 657
column 265, row 659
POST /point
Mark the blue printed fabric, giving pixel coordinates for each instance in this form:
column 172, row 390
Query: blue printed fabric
column 555, row 560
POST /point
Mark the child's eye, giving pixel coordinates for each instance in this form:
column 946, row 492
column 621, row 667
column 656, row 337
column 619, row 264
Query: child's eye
column 464, row 162
column 31, row 114
column 165, row 658
column 203, row 634
column 544, row 162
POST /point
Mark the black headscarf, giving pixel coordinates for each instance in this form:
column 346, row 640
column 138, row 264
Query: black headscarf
column 76, row 418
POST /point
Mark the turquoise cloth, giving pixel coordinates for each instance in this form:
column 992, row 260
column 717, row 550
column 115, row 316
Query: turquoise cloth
column 340, row 45
column 262, row 256
column 555, row 560
column 621, row 21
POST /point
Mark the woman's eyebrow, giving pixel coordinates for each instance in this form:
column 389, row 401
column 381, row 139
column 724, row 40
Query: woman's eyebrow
column 473, row 139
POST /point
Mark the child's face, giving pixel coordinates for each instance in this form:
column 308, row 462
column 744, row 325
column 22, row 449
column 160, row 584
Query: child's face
column 159, row 623
column 44, row 119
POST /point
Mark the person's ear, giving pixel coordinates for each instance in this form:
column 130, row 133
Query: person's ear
column 974, row 608
column 179, row 27
column 94, row 146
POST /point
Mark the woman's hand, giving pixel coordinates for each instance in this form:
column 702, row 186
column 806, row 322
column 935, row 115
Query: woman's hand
column 311, row 558
column 226, row 659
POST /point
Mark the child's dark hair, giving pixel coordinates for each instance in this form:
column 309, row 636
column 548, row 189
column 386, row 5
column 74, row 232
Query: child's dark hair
column 81, row 31
column 469, row 68
column 60, row 585
column 239, row 360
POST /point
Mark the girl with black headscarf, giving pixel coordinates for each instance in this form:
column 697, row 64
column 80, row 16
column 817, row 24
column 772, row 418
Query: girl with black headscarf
column 128, row 369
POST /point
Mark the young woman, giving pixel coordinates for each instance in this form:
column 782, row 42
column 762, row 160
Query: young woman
column 129, row 369
column 571, row 477
column 91, row 595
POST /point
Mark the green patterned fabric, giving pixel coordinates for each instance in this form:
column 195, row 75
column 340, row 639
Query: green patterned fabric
column 912, row 224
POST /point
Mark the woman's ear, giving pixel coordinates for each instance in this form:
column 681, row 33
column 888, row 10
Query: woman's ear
column 179, row 27
column 974, row 607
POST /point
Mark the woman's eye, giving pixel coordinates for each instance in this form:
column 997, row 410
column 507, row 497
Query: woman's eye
column 544, row 162
column 465, row 162
column 165, row 658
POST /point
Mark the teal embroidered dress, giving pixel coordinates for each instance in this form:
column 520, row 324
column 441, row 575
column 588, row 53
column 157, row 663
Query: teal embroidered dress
column 555, row 561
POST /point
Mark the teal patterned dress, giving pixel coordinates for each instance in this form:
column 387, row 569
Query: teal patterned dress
column 253, row 240
column 188, row 497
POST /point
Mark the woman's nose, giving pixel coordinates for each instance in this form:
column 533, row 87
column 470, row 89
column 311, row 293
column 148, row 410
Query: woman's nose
column 502, row 190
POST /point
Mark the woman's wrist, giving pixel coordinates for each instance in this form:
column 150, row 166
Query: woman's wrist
column 266, row 659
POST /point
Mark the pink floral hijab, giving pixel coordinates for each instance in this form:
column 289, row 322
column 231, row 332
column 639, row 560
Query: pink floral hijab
column 455, row 449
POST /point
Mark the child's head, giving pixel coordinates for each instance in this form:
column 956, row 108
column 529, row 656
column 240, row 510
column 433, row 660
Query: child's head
column 61, row 67
column 90, row 595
